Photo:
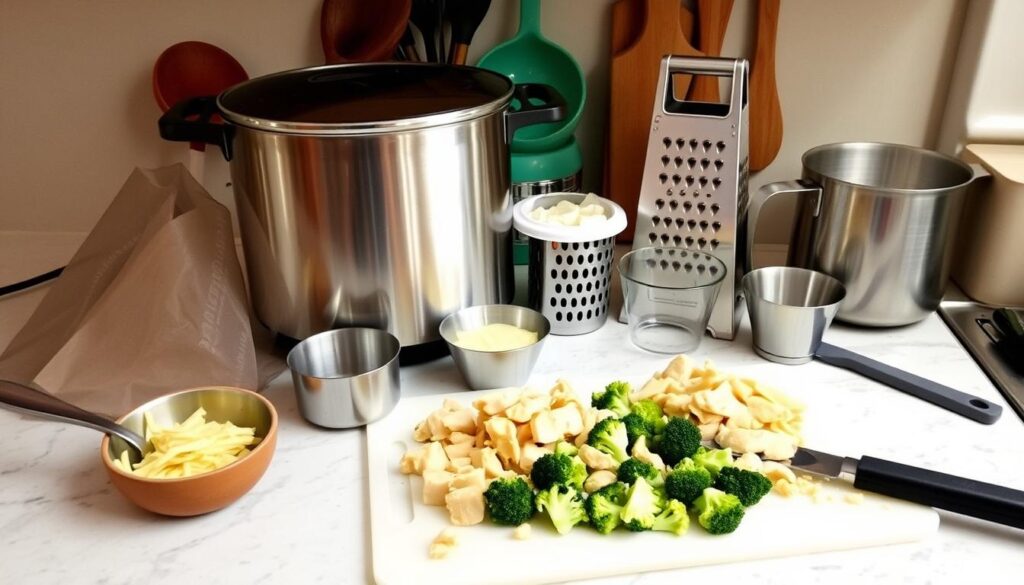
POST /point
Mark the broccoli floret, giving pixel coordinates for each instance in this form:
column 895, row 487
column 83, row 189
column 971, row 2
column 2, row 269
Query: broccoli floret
column 718, row 512
column 680, row 439
column 643, row 504
column 604, row 506
column 614, row 398
column 672, row 519
column 558, row 469
column 636, row 427
column 564, row 506
column 566, row 448
column 633, row 468
column 651, row 413
column 748, row 486
column 509, row 501
column 609, row 436
column 714, row 460
column 687, row 481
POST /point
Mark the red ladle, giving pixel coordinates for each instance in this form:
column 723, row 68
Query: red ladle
column 360, row 31
column 194, row 69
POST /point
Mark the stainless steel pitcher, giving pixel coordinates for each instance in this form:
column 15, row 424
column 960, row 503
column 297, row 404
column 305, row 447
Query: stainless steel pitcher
column 881, row 218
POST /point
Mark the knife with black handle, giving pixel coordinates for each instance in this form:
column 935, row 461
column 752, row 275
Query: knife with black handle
column 948, row 492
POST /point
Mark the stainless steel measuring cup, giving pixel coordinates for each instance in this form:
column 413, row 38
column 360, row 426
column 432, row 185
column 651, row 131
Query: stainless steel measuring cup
column 346, row 378
column 790, row 309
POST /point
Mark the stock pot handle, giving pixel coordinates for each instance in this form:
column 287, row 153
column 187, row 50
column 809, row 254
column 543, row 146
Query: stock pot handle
column 765, row 193
column 190, row 121
column 551, row 109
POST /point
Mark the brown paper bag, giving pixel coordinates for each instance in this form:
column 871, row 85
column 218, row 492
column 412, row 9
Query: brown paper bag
column 152, row 302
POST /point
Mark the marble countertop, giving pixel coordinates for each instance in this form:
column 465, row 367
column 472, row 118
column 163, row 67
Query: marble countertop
column 306, row 521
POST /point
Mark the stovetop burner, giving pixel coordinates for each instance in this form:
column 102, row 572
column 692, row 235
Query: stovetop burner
column 972, row 324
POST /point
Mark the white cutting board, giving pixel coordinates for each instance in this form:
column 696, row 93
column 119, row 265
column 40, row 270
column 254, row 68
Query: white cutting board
column 402, row 527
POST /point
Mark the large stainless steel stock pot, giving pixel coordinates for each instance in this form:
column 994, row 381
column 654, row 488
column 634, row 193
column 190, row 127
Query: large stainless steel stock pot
column 372, row 194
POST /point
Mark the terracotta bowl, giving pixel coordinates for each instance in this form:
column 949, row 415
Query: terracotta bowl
column 206, row 492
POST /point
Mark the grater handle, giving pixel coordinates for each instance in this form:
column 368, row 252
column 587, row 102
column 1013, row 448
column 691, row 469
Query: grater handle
column 716, row 66
column 737, row 69
column 767, row 192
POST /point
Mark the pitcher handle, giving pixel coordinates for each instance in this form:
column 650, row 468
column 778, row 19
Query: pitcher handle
column 765, row 193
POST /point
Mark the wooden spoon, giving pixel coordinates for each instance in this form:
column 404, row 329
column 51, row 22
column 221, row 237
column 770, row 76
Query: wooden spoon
column 355, row 31
column 713, row 16
column 765, row 111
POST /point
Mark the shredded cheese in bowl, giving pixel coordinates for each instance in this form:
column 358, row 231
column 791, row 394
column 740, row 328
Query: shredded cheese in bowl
column 189, row 448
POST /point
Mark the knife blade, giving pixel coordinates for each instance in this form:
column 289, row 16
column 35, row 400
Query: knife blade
column 986, row 501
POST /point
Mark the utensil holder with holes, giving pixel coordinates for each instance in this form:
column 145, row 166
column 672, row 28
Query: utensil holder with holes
column 694, row 189
column 570, row 267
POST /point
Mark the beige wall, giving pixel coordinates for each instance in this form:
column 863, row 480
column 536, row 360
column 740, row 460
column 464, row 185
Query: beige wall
column 77, row 112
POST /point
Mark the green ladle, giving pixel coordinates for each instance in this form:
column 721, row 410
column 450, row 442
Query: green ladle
column 528, row 57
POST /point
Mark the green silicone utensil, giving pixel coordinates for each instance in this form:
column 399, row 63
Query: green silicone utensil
column 528, row 57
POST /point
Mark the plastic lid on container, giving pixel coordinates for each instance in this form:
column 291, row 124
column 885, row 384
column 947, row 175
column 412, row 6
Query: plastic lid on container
column 365, row 98
column 551, row 232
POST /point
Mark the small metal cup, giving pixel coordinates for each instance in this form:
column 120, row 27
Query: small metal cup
column 346, row 377
column 790, row 309
column 495, row 369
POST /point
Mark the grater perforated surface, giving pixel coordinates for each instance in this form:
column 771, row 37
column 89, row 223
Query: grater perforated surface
column 569, row 283
column 694, row 189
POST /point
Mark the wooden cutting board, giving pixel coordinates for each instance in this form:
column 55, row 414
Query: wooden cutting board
column 634, row 79
column 402, row 527
column 713, row 16
column 627, row 24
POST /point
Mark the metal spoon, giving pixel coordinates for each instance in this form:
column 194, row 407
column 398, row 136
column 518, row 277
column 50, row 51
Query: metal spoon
column 28, row 400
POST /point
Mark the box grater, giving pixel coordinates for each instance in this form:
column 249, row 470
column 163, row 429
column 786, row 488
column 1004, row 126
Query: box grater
column 694, row 189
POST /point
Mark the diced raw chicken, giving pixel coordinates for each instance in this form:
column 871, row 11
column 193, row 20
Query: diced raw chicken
column 504, row 436
column 465, row 505
column 531, row 453
column 598, row 480
column 596, row 459
column 463, row 421
column 474, row 477
column 457, row 450
column 435, row 486
column 641, row 452
column 434, row 457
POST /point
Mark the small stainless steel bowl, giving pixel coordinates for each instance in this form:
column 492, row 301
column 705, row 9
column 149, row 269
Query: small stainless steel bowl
column 346, row 378
column 495, row 369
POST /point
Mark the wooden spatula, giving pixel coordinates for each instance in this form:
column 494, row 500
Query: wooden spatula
column 765, row 111
column 628, row 23
column 713, row 18
column 634, row 79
